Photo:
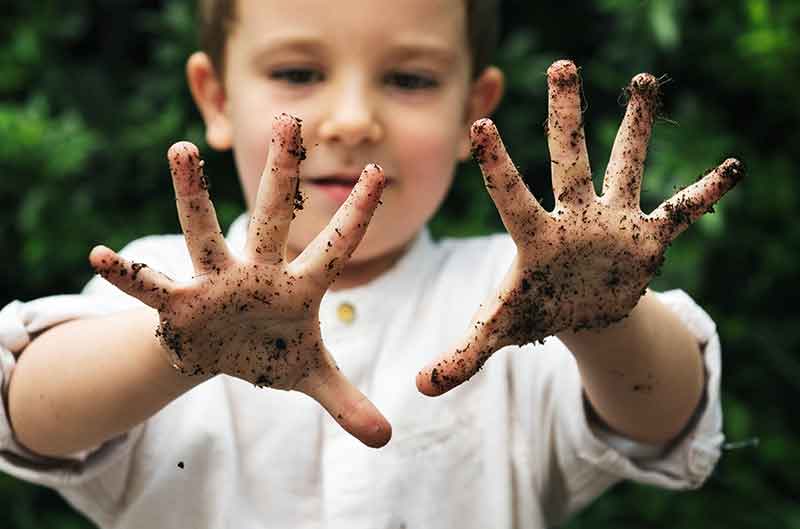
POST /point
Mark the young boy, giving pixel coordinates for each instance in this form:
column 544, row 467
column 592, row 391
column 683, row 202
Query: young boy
column 627, row 387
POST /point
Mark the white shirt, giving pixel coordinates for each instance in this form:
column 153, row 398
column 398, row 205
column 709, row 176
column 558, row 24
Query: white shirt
column 512, row 447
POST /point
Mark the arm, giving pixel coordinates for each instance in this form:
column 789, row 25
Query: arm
column 581, row 271
column 75, row 386
column 643, row 375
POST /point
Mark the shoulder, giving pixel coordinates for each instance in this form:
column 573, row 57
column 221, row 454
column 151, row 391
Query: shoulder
column 166, row 254
column 478, row 243
column 486, row 250
column 480, row 260
column 154, row 244
column 458, row 274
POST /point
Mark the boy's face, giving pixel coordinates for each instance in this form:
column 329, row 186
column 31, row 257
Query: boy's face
column 384, row 82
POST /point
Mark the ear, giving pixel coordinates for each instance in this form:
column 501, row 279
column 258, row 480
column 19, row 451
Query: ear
column 208, row 92
column 484, row 96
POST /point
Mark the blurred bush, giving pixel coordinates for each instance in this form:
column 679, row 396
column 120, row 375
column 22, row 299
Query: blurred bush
column 92, row 94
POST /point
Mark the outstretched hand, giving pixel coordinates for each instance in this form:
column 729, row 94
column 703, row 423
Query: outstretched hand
column 257, row 317
column 586, row 263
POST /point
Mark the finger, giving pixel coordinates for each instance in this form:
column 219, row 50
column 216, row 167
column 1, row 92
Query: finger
column 348, row 406
column 569, row 160
column 520, row 211
column 204, row 239
column 623, row 179
column 278, row 192
column 136, row 279
column 323, row 259
column 685, row 207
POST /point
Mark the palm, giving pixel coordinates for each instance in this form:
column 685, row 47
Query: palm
column 264, row 331
column 586, row 263
column 256, row 317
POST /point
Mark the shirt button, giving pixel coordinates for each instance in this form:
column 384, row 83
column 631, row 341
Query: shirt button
column 346, row 312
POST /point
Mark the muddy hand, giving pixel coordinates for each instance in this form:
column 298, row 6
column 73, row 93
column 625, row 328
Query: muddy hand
column 586, row 263
column 257, row 318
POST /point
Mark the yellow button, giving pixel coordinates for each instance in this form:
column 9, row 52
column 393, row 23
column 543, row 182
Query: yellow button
column 346, row 312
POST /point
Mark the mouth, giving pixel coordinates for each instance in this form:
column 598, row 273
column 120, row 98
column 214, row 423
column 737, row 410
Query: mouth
column 336, row 187
column 334, row 180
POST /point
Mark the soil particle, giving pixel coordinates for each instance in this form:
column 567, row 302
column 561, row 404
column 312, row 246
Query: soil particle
column 564, row 75
column 478, row 152
column 614, row 278
column 679, row 215
column 734, row 171
column 299, row 199
column 298, row 151
column 170, row 338
column 204, row 182
column 263, row 381
column 136, row 268
column 646, row 89
column 296, row 148
column 479, row 148
column 435, row 380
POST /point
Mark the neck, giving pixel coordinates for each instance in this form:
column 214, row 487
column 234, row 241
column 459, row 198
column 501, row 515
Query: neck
column 357, row 273
column 362, row 271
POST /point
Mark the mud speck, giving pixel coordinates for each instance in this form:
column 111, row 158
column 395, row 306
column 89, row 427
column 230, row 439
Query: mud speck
column 136, row 267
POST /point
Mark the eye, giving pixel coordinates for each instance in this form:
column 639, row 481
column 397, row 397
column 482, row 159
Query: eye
column 410, row 81
column 296, row 75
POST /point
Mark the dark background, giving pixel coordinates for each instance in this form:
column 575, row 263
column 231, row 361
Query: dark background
column 92, row 93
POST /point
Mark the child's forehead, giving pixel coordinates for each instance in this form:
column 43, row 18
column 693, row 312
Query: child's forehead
column 404, row 23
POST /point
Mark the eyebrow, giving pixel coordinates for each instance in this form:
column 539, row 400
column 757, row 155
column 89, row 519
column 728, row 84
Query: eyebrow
column 401, row 51
column 441, row 54
column 299, row 44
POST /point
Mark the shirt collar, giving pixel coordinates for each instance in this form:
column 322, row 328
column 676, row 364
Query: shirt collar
column 371, row 300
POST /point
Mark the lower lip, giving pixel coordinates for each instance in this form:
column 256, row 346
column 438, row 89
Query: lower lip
column 337, row 193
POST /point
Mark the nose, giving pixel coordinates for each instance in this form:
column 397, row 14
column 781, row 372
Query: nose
column 351, row 118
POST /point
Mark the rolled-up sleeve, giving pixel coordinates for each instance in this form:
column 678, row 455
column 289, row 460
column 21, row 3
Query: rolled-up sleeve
column 582, row 460
column 21, row 322
column 685, row 464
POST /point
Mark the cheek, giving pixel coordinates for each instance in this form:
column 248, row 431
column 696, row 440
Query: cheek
column 250, row 150
column 250, row 164
column 428, row 155
column 253, row 120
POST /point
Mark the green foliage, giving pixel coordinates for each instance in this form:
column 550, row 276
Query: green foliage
column 92, row 96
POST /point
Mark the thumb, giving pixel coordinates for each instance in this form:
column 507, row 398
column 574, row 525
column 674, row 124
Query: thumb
column 488, row 333
column 454, row 368
column 348, row 406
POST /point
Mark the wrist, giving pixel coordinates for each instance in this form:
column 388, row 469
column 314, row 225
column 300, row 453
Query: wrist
column 167, row 376
column 637, row 325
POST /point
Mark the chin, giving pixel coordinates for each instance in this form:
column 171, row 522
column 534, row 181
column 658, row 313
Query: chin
column 371, row 250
